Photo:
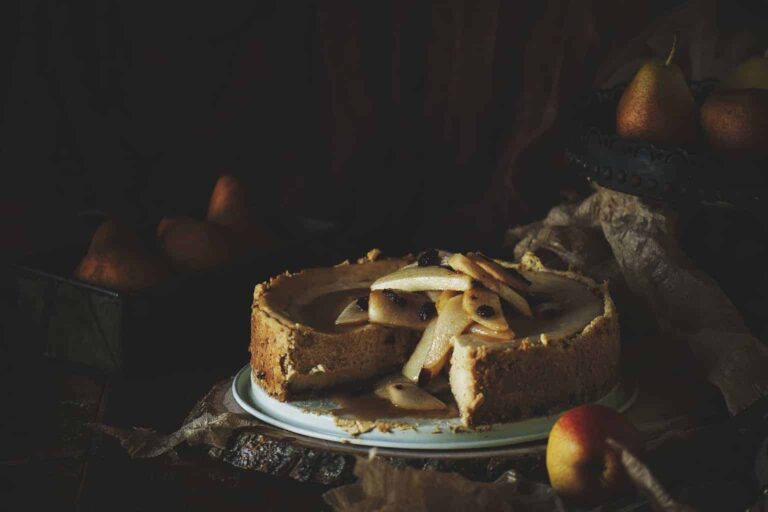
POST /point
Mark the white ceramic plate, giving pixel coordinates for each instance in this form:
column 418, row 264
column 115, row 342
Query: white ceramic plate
column 426, row 434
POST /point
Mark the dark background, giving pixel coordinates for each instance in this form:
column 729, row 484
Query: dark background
column 435, row 121
column 435, row 114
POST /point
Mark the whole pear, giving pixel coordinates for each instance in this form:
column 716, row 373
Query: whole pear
column 229, row 206
column 750, row 74
column 657, row 105
column 118, row 259
column 192, row 244
column 736, row 120
column 583, row 467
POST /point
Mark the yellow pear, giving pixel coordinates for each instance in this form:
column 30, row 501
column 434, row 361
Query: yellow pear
column 750, row 74
column 117, row 259
column 657, row 105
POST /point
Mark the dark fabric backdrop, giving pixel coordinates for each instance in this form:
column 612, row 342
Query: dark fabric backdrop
column 441, row 114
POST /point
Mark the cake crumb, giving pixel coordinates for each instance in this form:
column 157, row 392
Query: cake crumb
column 317, row 369
column 373, row 254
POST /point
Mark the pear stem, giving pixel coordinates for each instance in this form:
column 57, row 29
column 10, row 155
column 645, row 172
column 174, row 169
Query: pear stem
column 671, row 51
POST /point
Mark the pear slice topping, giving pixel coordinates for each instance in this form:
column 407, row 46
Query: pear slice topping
column 413, row 366
column 405, row 394
column 355, row 313
column 484, row 307
column 463, row 264
column 400, row 309
column 443, row 298
column 515, row 299
column 417, row 279
column 485, row 332
column 508, row 276
column 451, row 322
column 433, row 294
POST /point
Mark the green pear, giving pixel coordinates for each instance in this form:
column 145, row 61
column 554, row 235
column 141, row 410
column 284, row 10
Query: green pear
column 750, row 74
column 657, row 105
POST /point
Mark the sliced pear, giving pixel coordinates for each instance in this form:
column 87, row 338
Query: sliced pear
column 414, row 364
column 355, row 313
column 400, row 309
column 463, row 264
column 451, row 321
column 418, row 279
column 433, row 294
column 515, row 299
column 483, row 331
column 405, row 394
column 443, row 298
column 508, row 276
column 484, row 307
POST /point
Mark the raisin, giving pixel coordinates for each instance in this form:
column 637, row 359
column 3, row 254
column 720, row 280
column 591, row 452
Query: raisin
column 362, row 303
column 485, row 311
column 395, row 298
column 427, row 311
column 261, row 375
column 429, row 258
column 398, row 386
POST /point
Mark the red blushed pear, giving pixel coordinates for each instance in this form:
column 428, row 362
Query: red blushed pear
column 118, row 259
column 583, row 468
column 229, row 207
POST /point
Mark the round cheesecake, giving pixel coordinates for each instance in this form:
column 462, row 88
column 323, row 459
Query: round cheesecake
column 557, row 359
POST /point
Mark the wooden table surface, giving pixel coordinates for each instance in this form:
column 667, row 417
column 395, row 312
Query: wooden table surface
column 50, row 458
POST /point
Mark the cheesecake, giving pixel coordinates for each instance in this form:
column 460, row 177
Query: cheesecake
column 516, row 340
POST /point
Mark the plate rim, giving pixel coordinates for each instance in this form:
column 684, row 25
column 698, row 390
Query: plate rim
column 343, row 437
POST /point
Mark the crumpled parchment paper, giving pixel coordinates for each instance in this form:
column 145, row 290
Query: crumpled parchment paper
column 633, row 244
column 382, row 487
column 211, row 423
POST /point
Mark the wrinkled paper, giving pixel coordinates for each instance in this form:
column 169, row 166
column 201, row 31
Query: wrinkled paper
column 384, row 488
column 633, row 244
